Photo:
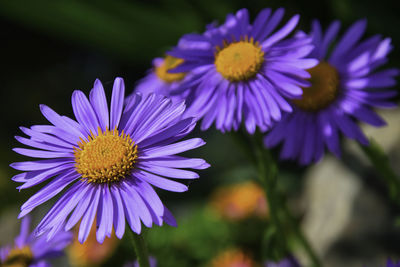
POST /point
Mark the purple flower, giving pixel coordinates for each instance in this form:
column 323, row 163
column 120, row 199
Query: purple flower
column 391, row 263
column 158, row 80
column 32, row 251
column 152, row 263
column 288, row 262
column 345, row 88
column 243, row 71
column 107, row 161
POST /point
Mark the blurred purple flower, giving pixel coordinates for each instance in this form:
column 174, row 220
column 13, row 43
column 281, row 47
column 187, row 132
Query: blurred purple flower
column 288, row 262
column 32, row 251
column 152, row 262
column 391, row 263
column 108, row 160
column 159, row 81
column 243, row 71
column 345, row 88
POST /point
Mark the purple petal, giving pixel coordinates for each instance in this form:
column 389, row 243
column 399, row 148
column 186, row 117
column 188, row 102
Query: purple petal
column 88, row 217
column 160, row 182
column 117, row 102
column 98, row 101
column 84, row 112
column 173, row 148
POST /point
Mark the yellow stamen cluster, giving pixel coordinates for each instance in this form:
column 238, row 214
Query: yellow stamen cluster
column 239, row 61
column 324, row 88
column 169, row 63
column 18, row 257
column 106, row 157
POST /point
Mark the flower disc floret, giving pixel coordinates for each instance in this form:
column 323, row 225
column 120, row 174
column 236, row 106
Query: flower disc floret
column 19, row 257
column 107, row 157
column 29, row 249
column 323, row 90
column 239, row 61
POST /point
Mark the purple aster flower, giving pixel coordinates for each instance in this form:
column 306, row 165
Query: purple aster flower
column 242, row 70
column 158, row 80
column 391, row 263
column 32, row 251
column 108, row 160
column 287, row 262
column 345, row 88
column 152, row 263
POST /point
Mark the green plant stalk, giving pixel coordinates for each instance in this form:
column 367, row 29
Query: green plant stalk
column 267, row 176
column 300, row 237
column 381, row 162
column 268, row 170
column 140, row 249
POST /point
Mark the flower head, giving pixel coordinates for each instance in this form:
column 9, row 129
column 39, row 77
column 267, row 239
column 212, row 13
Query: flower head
column 152, row 263
column 243, row 71
column 287, row 262
column 240, row 201
column 29, row 250
column 107, row 161
column 391, row 263
column 345, row 87
column 160, row 81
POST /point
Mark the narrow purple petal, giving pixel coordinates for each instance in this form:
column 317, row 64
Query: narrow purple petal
column 99, row 103
column 117, row 102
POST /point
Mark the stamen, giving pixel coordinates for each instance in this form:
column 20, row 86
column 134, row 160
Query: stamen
column 105, row 158
column 169, row 63
column 239, row 61
column 18, row 257
column 324, row 88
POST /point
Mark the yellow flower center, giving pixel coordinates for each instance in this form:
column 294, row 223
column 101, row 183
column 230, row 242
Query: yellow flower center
column 323, row 90
column 239, row 61
column 19, row 257
column 169, row 63
column 105, row 158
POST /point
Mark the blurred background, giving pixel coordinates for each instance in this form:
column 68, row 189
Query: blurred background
column 50, row 48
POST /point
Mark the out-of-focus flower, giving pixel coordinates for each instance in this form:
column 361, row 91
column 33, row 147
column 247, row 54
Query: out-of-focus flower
column 345, row 88
column 391, row 263
column 287, row 262
column 158, row 80
column 152, row 262
column 91, row 253
column 240, row 201
column 233, row 258
column 32, row 251
column 108, row 160
column 243, row 71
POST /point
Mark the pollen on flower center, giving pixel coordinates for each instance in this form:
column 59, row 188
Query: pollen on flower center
column 19, row 257
column 106, row 157
column 324, row 88
column 169, row 63
column 239, row 61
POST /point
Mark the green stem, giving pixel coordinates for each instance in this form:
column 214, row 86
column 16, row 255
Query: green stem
column 301, row 238
column 140, row 249
column 268, row 169
column 268, row 178
column 380, row 161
